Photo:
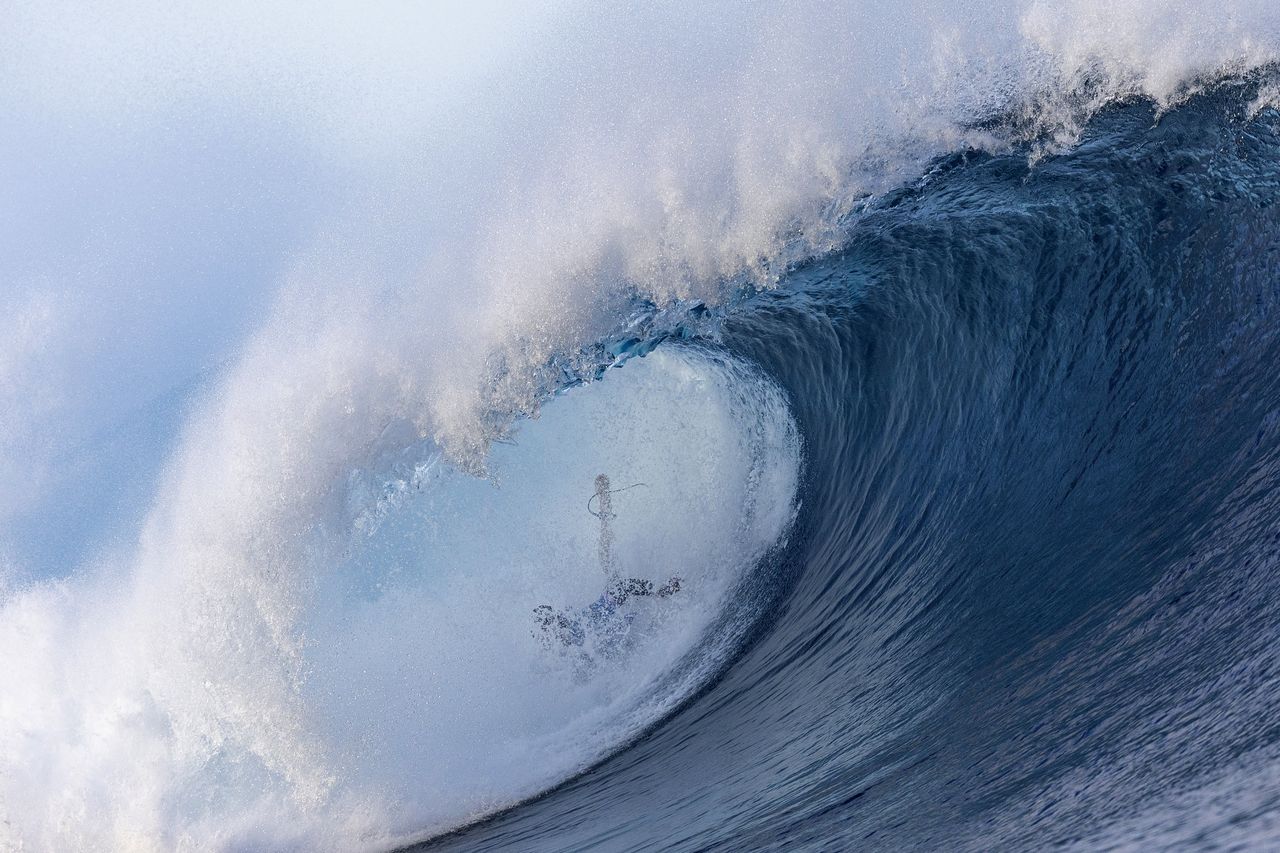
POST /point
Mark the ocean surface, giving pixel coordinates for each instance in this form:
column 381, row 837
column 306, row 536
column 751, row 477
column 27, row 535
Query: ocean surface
column 935, row 352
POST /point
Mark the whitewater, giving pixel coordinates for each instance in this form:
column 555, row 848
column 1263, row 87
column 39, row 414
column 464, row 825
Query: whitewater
column 938, row 336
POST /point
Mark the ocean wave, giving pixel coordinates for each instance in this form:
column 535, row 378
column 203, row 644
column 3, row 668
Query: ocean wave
column 282, row 288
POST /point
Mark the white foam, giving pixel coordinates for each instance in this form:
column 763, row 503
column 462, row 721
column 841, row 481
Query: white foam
column 502, row 178
column 279, row 660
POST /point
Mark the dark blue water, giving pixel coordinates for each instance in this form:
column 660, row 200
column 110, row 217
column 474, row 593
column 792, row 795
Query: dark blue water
column 1033, row 598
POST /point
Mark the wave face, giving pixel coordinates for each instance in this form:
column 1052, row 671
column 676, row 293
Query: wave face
column 1035, row 592
column 932, row 350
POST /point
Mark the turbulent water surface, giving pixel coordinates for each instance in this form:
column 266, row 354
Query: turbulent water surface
column 933, row 350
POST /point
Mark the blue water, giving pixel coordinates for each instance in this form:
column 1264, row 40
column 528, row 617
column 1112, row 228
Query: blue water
column 1032, row 599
